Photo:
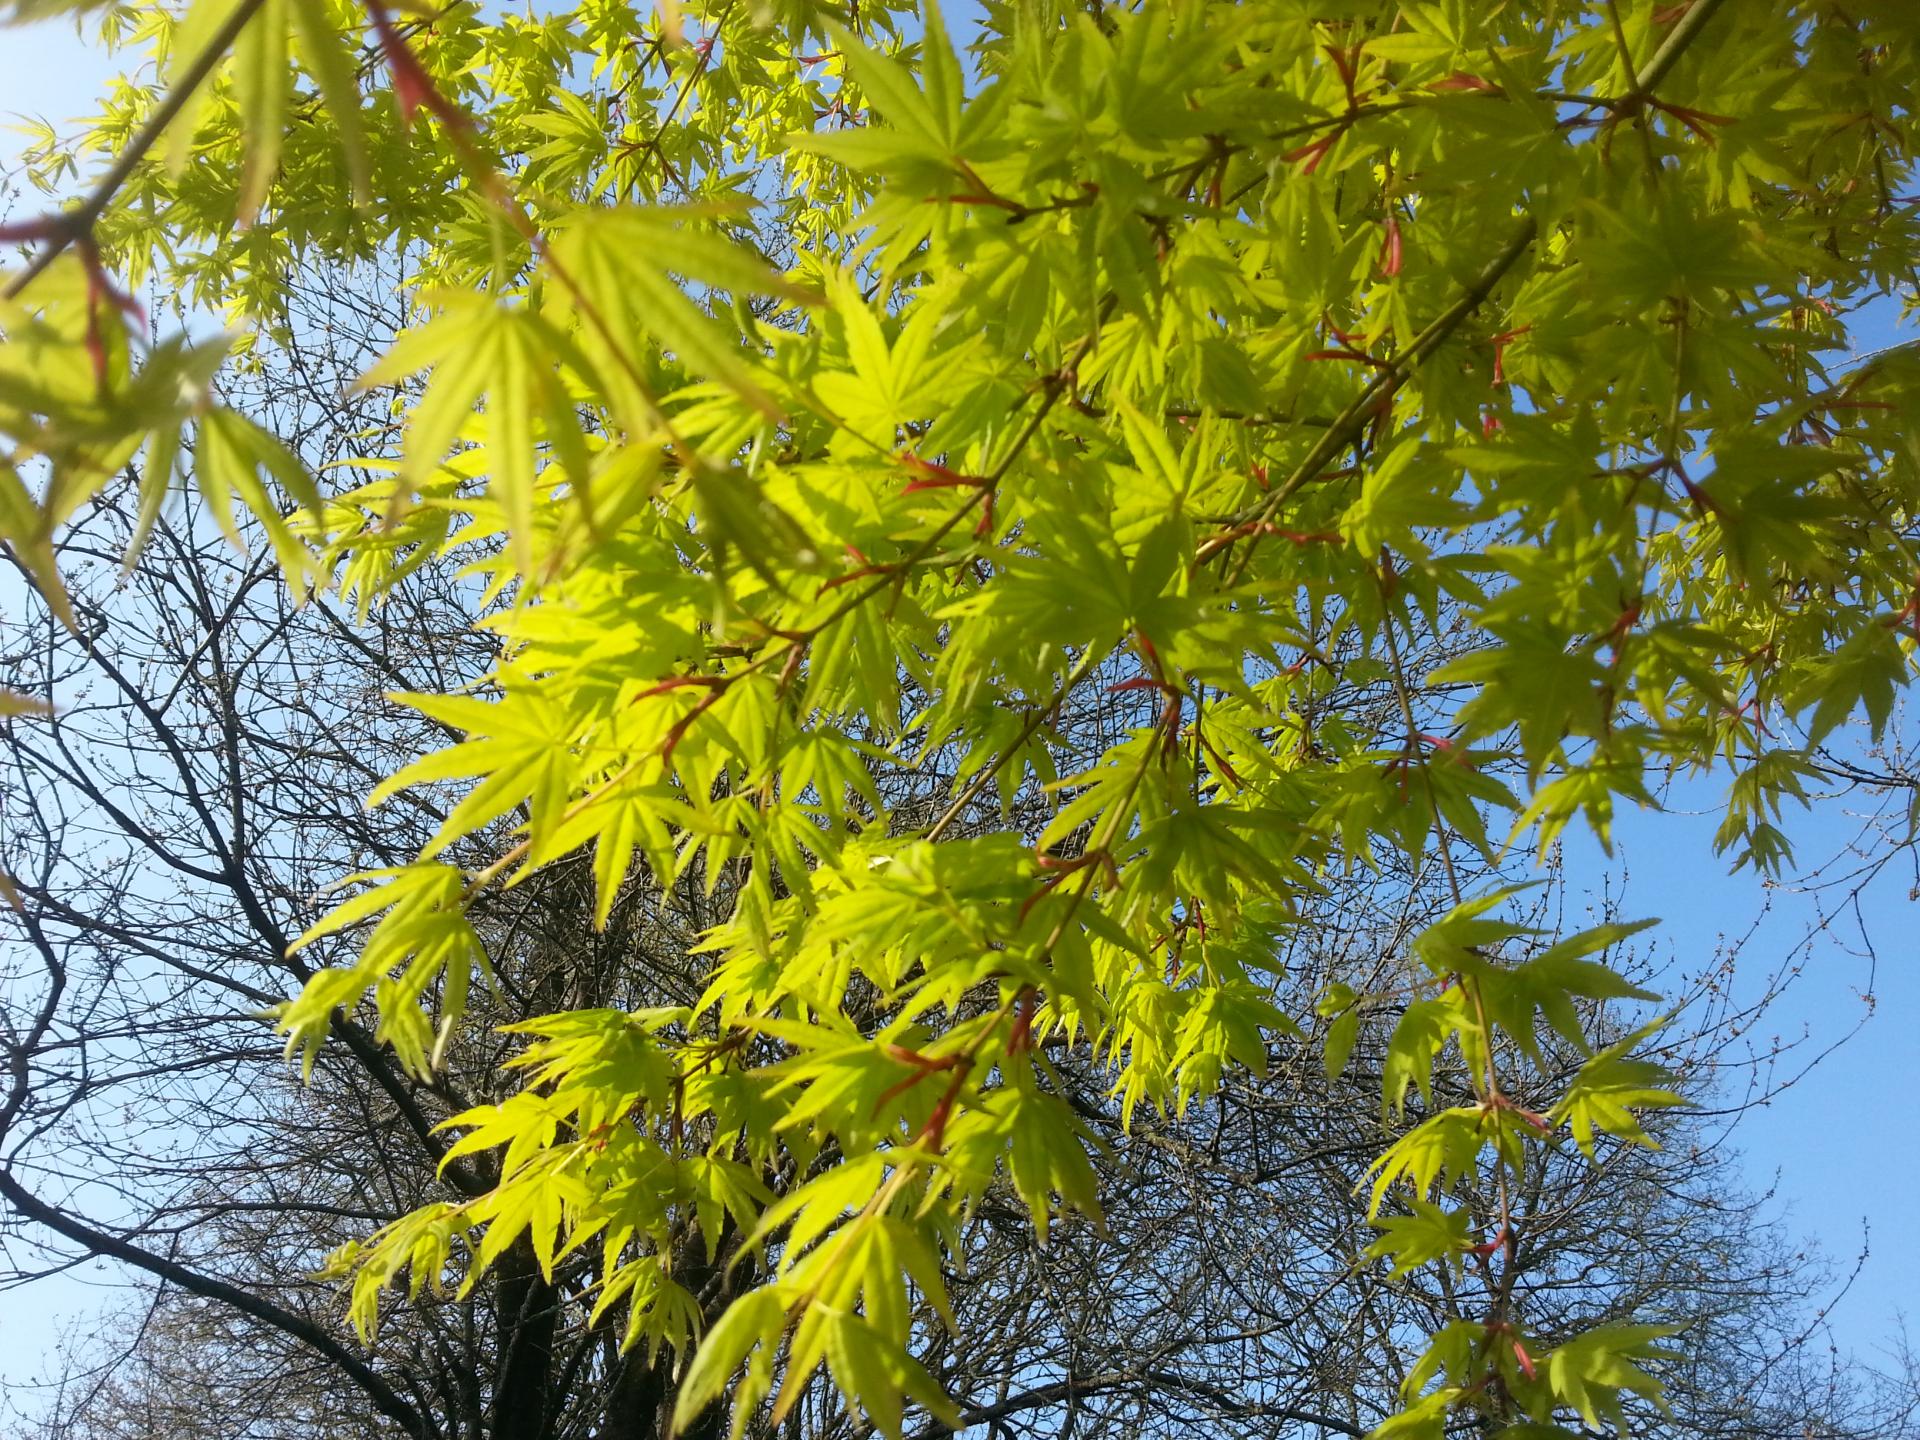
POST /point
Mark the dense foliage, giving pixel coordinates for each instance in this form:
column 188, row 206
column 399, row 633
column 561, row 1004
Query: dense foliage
column 1422, row 421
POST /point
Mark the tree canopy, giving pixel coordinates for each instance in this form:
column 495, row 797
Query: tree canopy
column 1422, row 425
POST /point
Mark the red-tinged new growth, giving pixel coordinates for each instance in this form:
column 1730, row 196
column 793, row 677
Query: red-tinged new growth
column 1500, row 343
column 1497, row 1102
column 102, row 294
column 1908, row 615
column 1523, row 1359
column 413, row 88
column 1020, row 1037
column 1390, row 251
column 934, row 476
column 1461, row 80
column 1214, row 543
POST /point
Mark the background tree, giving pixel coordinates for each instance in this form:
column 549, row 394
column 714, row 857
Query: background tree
column 1240, row 1210
column 1231, row 1286
column 1311, row 436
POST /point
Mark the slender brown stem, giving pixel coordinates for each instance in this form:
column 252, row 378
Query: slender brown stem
column 1359, row 413
column 1034, row 721
column 1678, row 39
column 1352, row 421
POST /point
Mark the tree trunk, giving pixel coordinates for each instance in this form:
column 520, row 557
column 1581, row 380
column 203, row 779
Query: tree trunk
column 522, row 1408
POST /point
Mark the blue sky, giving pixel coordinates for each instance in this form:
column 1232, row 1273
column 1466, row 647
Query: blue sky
column 1835, row 1141
column 49, row 73
column 46, row 73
